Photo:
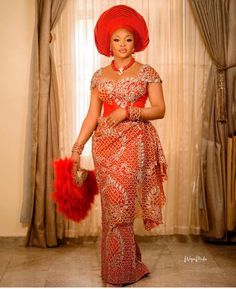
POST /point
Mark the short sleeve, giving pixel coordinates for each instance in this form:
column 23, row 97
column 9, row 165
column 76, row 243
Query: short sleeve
column 151, row 75
column 95, row 77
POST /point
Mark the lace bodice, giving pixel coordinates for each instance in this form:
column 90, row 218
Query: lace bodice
column 126, row 90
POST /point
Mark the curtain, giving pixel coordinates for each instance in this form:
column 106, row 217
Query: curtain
column 177, row 52
column 45, row 226
column 231, row 124
column 231, row 186
column 213, row 19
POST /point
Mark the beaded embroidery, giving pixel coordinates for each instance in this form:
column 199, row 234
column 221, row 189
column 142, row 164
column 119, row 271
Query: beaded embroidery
column 116, row 91
column 130, row 168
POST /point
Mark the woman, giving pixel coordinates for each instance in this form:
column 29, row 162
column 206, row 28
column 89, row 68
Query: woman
column 129, row 162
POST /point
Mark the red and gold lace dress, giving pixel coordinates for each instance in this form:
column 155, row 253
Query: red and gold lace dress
column 130, row 168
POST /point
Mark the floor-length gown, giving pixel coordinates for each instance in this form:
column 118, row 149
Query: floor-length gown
column 130, row 168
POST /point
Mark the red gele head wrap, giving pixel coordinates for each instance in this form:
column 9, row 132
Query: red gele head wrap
column 120, row 16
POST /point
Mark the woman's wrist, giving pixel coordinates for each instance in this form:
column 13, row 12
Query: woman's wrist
column 77, row 148
column 134, row 113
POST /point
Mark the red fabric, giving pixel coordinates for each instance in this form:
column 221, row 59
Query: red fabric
column 120, row 16
column 130, row 168
column 72, row 200
column 109, row 108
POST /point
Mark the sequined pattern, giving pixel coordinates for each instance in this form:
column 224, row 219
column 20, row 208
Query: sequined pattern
column 116, row 91
column 130, row 168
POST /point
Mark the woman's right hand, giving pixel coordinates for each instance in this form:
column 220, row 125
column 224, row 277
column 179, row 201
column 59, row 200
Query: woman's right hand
column 76, row 158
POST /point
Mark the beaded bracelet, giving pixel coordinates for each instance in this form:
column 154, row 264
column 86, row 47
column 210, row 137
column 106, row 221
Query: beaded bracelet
column 78, row 148
column 134, row 113
column 127, row 112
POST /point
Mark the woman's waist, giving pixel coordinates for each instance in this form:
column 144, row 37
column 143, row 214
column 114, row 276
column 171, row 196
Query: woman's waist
column 109, row 108
column 121, row 128
column 130, row 132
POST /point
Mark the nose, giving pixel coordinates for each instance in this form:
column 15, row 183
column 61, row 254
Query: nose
column 122, row 43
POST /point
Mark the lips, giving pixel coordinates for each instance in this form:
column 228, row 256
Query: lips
column 122, row 50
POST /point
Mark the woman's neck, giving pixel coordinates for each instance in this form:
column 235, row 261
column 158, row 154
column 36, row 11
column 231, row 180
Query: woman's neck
column 120, row 62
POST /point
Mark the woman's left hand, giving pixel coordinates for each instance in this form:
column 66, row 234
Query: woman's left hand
column 115, row 117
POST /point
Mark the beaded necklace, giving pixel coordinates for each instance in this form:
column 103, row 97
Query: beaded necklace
column 123, row 68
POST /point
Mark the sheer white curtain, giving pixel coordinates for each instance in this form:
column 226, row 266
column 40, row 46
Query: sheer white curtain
column 177, row 52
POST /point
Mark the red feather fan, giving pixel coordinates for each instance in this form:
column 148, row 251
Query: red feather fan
column 74, row 198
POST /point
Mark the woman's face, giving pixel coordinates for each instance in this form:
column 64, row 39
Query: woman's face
column 122, row 43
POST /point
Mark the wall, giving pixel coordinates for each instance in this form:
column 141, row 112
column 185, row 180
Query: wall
column 16, row 36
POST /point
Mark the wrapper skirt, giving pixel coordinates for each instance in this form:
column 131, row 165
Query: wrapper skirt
column 130, row 169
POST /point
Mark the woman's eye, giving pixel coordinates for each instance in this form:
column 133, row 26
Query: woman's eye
column 129, row 40
column 116, row 39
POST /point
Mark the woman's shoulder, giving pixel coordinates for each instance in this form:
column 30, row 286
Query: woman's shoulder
column 97, row 72
column 95, row 77
column 150, row 74
column 100, row 71
column 147, row 67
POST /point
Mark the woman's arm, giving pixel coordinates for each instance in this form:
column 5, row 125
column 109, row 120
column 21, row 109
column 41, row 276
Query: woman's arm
column 90, row 121
column 157, row 109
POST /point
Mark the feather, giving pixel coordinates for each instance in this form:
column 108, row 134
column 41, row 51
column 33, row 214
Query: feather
column 73, row 200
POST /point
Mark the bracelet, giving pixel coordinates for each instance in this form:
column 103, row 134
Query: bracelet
column 78, row 148
column 127, row 112
column 134, row 113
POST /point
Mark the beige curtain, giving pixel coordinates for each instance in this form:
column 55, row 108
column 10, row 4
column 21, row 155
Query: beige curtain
column 177, row 52
column 213, row 19
column 231, row 186
column 38, row 210
column 231, row 148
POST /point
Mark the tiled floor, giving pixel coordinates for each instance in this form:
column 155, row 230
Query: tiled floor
column 78, row 264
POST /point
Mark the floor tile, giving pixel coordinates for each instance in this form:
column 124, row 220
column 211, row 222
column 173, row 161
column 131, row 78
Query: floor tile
column 24, row 279
column 70, row 279
column 179, row 261
column 28, row 263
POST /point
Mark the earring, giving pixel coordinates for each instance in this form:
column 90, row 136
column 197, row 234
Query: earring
column 111, row 53
column 133, row 53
